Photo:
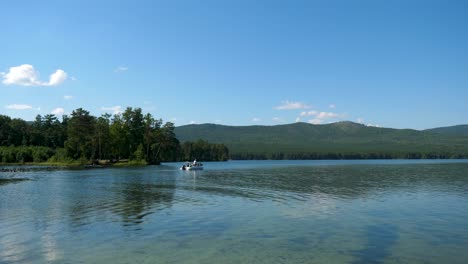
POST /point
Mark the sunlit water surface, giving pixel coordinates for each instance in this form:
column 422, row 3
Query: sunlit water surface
column 239, row 212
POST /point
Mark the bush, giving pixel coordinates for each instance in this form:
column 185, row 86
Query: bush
column 23, row 154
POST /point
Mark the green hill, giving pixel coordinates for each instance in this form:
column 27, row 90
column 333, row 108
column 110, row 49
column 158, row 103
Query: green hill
column 337, row 140
column 461, row 130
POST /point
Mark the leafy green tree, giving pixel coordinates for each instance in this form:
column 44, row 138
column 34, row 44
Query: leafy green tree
column 103, row 136
column 152, row 125
column 37, row 133
column 166, row 146
column 130, row 135
column 139, row 154
column 80, row 142
column 133, row 120
column 18, row 134
column 118, row 138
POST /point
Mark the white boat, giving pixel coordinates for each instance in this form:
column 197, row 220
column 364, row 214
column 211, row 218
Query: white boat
column 192, row 166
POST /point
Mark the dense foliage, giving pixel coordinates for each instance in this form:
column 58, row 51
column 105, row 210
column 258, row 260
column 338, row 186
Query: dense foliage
column 83, row 137
column 341, row 140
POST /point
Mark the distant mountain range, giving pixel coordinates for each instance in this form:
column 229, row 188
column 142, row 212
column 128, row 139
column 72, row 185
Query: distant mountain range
column 337, row 140
column 461, row 130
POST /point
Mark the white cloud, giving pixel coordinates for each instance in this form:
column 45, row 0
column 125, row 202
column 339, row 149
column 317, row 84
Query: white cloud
column 316, row 121
column 56, row 78
column 326, row 115
column 321, row 115
column 332, row 106
column 121, row 69
column 67, row 97
column 58, row 111
column 19, row 107
column 193, row 122
column 256, row 119
column 361, row 121
column 309, row 113
column 115, row 109
column 287, row 105
column 73, row 78
column 298, row 119
column 277, row 119
column 26, row 75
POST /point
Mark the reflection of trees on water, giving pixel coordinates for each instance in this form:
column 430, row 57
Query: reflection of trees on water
column 4, row 181
column 130, row 199
column 137, row 200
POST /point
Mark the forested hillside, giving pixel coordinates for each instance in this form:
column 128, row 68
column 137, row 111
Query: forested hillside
column 341, row 140
column 460, row 130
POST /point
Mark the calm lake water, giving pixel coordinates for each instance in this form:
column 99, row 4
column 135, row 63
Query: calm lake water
column 240, row 212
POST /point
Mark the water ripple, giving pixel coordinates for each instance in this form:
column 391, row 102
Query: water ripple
column 348, row 214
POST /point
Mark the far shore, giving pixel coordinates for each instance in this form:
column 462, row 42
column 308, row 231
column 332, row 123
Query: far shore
column 126, row 163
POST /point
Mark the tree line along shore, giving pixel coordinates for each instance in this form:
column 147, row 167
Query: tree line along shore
column 128, row 138
column 135, row 138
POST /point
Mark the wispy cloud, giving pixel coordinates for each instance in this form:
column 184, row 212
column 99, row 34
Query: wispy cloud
column 115, row 109
column 277, row 119
column 73, row 78
column 360, row 120
column 332, row 106
column 287, row 105
column 58, row 111
column 320, row 117
column 19, row 107
column 327, row 115
column 309, row 113
column 316, row 121
column 256, row 119
column 67, row 97
column 121, row 69
column 193, row 122
column 298, row 119
column 26, row 75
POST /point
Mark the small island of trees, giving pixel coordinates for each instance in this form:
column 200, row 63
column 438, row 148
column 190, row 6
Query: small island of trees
column 82, row 138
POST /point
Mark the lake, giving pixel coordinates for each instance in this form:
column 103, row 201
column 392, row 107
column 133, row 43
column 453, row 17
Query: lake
column 386, row 211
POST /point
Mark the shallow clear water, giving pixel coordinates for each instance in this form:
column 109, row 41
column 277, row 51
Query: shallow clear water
column 239, row 212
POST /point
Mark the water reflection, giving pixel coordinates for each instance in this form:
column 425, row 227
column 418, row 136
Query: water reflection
column 4, row 181
column 322, row 214
column 341, row 182
column 131, row 197
column 380, row 239
column 138, row 199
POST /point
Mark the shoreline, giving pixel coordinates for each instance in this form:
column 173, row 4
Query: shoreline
column 143, row 164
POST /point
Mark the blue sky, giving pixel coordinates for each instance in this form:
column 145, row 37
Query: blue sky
column 401, row 64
